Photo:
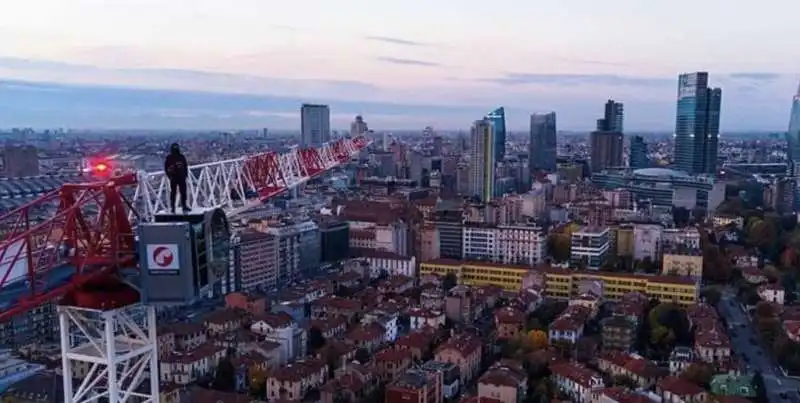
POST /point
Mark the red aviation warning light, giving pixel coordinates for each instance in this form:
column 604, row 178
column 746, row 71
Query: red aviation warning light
column 97, row 167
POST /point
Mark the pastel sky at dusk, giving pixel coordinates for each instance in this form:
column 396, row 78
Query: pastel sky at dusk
column 403, row 64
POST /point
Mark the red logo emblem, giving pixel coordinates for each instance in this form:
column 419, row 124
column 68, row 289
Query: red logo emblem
column 162, row 256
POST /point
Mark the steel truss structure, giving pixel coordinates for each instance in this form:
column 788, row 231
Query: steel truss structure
column 111, row 352
column 241, row 183
column 75, row 257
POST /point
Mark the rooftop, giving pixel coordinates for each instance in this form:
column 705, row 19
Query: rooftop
column 660, row 172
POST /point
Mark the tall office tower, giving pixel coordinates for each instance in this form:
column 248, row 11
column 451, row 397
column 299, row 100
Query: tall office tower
column 315, row 125
column 697, row 124
column 606, row 141
column 542, row 147
column 606, row 150
column 498, row 119
column 613, row 117
column 638, row 153
column 793, row 148
column 482, row 160
column 358, row 127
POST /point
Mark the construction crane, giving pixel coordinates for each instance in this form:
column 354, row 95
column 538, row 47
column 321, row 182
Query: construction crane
column 82, row 258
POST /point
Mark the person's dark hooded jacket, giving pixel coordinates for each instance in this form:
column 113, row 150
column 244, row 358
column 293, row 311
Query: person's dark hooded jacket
column 175, row 165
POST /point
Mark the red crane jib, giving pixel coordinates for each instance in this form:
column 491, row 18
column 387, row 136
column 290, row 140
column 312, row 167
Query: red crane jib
column 74, row 255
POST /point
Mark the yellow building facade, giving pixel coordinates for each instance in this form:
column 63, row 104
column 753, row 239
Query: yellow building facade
column 563, row 284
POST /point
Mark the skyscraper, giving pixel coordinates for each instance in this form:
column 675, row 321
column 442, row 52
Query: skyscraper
column 498, row 119
column 542, row 147
column 482, row 160
column 358, row 127
column 606, row 142
column 613, row 117
column 793, row 148
column 315, row 125
column 606, row 150
column 638, row 153
column 697, row 124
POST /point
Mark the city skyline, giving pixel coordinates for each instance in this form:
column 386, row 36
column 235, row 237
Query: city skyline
column 392, row 63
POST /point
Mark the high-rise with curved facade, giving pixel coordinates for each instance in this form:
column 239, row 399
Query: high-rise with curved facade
column 793, row 146
column 697, row 124
column 498, row 119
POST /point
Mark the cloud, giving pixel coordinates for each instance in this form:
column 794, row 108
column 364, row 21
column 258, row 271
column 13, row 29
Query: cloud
column 395, row 41
column 176, row 79
column 755, row 76
column 580, row 79
column 594, row 62
column 408, row 62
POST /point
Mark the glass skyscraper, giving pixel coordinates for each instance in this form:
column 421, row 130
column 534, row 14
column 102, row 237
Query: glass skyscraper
column 542, row 147
column 498, row 119
column 697, row 124
column 637, row 157
column 482, row 165
column 793, row 147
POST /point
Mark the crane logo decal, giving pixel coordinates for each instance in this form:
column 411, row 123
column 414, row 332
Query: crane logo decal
column 162, row 257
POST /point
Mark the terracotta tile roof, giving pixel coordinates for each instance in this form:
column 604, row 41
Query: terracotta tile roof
column 713, row 338
column 574, row 372
column 369, row 333
column 224, row 316
column 274, row 320
column 699, row 311
column 182, row 329
column 418, row 312
column 201, row 395
column 621, row 395
column 503, row 376
column 571, row 319
column 345, row 382
column 481, row 399
column 202, row 351
column 298, row 370
column 509, row 315
column 393, row 354
column 326, row 324
column 375, row 253
column 792, row 328
column 419, row 339
column 338, row 303
column 464, row 343
column 679, row 387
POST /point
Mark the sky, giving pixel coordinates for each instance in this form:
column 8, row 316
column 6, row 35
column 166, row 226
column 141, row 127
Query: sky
column 403, row 64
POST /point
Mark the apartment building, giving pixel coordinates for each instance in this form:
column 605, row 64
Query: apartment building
column 562, row 283
column 590, row 247
column 281, row 329
column 414, row 386
column 504, row 243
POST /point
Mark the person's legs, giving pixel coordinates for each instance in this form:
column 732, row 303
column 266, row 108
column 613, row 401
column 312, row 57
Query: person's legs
column 173, row 189
column 184, row 199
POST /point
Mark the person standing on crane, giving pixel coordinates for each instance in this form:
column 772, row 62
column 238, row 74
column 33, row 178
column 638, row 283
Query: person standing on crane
column 177, row 170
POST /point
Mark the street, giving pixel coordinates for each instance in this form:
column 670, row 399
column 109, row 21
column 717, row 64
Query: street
column 753, row 355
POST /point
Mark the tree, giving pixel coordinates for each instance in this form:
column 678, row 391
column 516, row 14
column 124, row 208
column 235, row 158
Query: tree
column 538, row 339
column 362, row 355
column 646, row 265
column 699, row 373
column 316, row 340
column 225, row 376
column 559, row 246
column 712, row 296
column 449, row 281
column 761, row 390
